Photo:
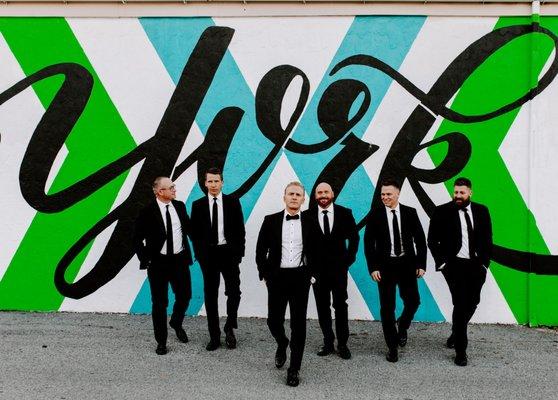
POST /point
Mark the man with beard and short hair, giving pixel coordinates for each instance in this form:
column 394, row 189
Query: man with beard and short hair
column 331, row 251
column 280, row 257
column 460, row 239
column 395, row 249
column 161, row 244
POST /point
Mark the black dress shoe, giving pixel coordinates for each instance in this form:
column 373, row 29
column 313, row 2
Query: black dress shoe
column 161, row 349
column 450, row 343
column 460, row 359
column 392, row 355
column 281, row 355
column 325, row 351
column 230, row 339
column 402, row 337
column 181, row 335
column 213, row 345
column 292, row 377
column 344, row 352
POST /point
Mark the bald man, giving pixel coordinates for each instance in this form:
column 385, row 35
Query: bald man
column 331, row 251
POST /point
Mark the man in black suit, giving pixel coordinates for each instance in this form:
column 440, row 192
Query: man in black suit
column 331, row 251
column 460, row 239
column 395, row 249
column 161, row 244
column 218, row 237
column 280, row 257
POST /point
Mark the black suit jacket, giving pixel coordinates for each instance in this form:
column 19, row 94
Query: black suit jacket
column 444, row 234
column 235, row 233
column 150, row 234
column 339, row 248
column 269, row 245
column 377, row 241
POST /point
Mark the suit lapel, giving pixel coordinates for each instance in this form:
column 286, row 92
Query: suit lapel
column 158, row 217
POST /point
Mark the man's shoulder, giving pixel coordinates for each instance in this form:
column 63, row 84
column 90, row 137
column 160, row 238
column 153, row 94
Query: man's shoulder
column 405, row 208
column 446, row 207
column 337, row 208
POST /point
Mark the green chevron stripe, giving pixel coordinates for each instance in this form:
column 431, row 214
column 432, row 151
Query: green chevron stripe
column 99, row 137
column 503, row 77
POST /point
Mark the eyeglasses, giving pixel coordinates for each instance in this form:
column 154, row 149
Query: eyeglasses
column 171, row 188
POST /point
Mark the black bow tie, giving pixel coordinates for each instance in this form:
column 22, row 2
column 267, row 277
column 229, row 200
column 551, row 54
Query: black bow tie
column 289, row 217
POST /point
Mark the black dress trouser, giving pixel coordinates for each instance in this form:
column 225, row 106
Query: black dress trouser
column 332, row 285
column 465, row 279
column 163, row 270
column 289, row 286
column 221, row 262
column 398, row 271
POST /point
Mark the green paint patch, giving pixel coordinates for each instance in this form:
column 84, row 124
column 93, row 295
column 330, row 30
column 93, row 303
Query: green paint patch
column 99, row 137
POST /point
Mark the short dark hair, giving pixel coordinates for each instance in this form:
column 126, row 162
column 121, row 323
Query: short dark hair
column 462, row 181
column 391, row 182
column 214, row 171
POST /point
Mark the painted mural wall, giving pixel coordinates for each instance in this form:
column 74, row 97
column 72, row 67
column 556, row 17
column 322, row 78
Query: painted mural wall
column 91, row 110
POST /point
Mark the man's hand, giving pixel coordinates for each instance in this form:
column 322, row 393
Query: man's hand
column 376, row 276
column 420, row 273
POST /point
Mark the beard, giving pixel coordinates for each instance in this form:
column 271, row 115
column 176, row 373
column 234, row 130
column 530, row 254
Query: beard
column 462, row 203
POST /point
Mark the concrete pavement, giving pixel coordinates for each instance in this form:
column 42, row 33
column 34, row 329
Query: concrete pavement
column 111, row 356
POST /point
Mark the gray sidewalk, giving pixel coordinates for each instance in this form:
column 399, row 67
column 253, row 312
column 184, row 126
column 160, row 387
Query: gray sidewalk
column 111, row 356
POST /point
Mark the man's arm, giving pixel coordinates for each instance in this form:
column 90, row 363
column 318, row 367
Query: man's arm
column 420, row 241
column 434, row 237
column 140, row 229
column 353, row 237
column 262, row 249
column 240, row 235
column 371, row 245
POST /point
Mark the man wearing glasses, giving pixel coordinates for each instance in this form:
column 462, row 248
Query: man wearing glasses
column 161, row 244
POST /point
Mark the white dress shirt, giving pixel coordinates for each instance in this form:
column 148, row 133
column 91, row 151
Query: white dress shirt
column 177, row 244
column 464, row 250
column 330, row 217
column 390, row 225
column 291, row 243
column 220, row 219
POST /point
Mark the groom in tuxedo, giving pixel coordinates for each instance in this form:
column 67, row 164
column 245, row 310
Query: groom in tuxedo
column 281, row 261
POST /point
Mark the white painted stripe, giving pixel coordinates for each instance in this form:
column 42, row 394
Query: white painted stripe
column 258, row 45
column 18, row 119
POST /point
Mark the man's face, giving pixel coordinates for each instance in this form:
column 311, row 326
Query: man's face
column 324, row 195
column 166, row 190
column 294, row 197
column 462, row 195
column 390, row 196
column 214, row 184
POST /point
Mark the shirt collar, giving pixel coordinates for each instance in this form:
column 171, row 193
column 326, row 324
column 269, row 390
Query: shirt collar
column 329, row 209
column 163, row 205
column 219, row 197
column 388, row 210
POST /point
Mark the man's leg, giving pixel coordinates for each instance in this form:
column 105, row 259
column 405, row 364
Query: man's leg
column 231, row 276
column 158, row 283
column 276, row 308
column 408, row 290
column 340, row 296
column 322, row 295
column 386, row 288
column 298, row 304
column 181, row 285
column 211, row 281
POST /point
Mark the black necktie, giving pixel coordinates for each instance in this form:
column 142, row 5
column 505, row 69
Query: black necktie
column 396, row 235
column 215, row 223
column 327, row 231
column 170, row 250
column 470, row 234
column 289, row 217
